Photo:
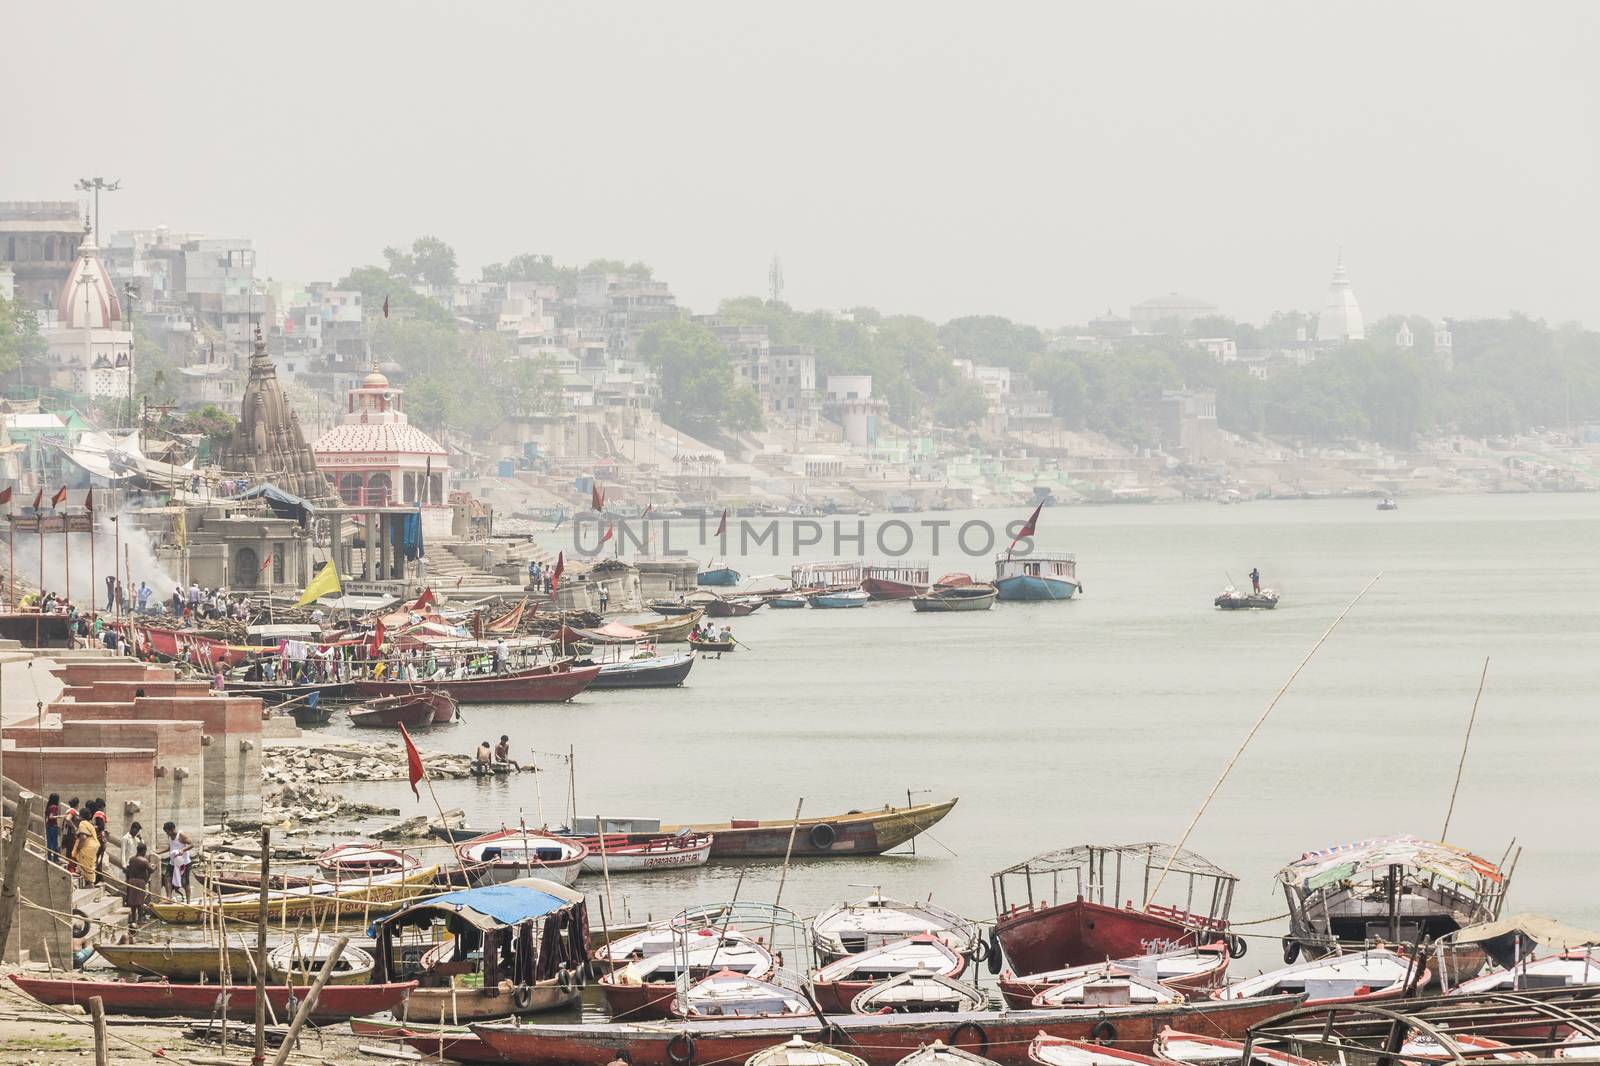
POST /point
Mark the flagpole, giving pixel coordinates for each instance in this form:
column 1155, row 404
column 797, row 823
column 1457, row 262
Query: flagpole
column 38, row 619
column 66, row 551
column 89, row 506
column 116, row 564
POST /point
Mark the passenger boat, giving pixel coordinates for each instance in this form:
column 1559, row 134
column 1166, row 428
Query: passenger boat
column 938, row 1054
column 851, row 928
column 1195, row 1049
column 517, row 853
column 1370, row 974
column 788, row 601
column 716, row 646
column 389, row 711
column 972, row 597
column 549, row 683
column 1040, row 576
column 799, row 1052
column 179, row 962
column 1057, row 1051
column 337, row 1003
column 1186, row 970
column 838, row 983
column 918, row 992
column 1106, row 987
column 191, row 645
column 655, row 938
column 298, row 962
column 727, row 994
column 513, row 948
column 621, row 853
column 1568, row 968
column 273, row 693
column 853, row 833
column 1231, row 599
column 736, row 607
column 650, row 671
column 880, row 1039
column 848, row 598
column 320, row 899
column 1052, row 910
column 670, row 607
column 455, row 1043
column 360, row 859
column 1388, row 503
column 645, row 988
column 894, row 582
column 1399, row 889
column 671, row 630
column 718, row 577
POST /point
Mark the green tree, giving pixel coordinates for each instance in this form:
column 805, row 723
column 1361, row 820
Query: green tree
column 429, row 260
column 960, row 406
column 20, row 342
column 375, row 284
column 700, row 392
column 991, row 340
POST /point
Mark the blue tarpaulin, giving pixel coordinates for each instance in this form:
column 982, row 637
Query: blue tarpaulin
column 282, row 504
column 502, row 904
column 411, row 536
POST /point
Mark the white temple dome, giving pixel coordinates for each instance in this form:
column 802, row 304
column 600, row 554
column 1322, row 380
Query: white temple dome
column 88, row 298
column 1341, row 317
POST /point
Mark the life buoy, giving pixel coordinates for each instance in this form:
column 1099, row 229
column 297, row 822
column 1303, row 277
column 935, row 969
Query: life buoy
column 1104, row 1031
column 522, row 996
column 982, row 1034
column 80, row 924
column 1237, row 946
column 680, row 1049
column 822, row 836
column 1291, row 951
column 995, row 960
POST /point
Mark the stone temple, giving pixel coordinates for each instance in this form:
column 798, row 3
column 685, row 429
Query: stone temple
column 268, row 444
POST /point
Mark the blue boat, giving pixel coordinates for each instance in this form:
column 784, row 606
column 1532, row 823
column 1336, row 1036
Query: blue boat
column 853, row 598
column 719, row 576
column 1040, row 576
column 788, row 601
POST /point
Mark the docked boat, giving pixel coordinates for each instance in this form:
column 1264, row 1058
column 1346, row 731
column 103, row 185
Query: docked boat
column 1231, row 599
column 736, row 607
column 547, row 683
column 273, row 693
column 851, row 928
column 670, row 607
column 940, row 1054
column 787, row 601
column 1516, row 954
column 298, row 962
column 1388, row 503
column 838, row 983
column 1189, row 971
column 310, row 713
column 436, row 1043
column 645, row 988
column 1566, row 969
column 671, row 630
column 320, row 899
column 918, row 992
column 1369, row 974
column 197, row 962
column 337, row 1003
column 622, row 853
column 853, row 833
column 880, row 1039
column 1061, row 908
column 445, row 707
column 387, row 712
column 360, row 859
column 654, row 938
column 1057, row 1051
column 894, row 582
column 1106, row 987
column 718, row 577
column 971, row 597
column 848, row 598
column 517, row 853
column 1195, row 1049
column 727, row 994
column 1455, row 1047
column 799, row 1052
column 1040, row 576
column 650, row 671
column 512, row 948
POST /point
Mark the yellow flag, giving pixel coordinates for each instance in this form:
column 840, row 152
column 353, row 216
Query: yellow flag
column 325, row 583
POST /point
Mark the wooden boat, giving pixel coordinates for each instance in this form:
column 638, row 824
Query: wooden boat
column 853, row 833
column 1388, row 503
column 918, row 992
column 670, row 607
column 1040, row 931
column 788, row 601
column 798, row 1052
column 178, row 962
column 322, row 899
column 838, row 983
column 513, row 948
column 727, row 994
column 516, row 853
column 718, row 577
column 1370, row 974
column 1194, row 1049
column 1550, row 971
column 736, row 607
column 192, row 645
column 300, row 960
column 307, row 715
column 646, row 988
column 623, row 853
column 849, row 598
column 337, row 1003
column 974, row 597
column 445, row 707
column 388, row 712
column 1231, row 599
column 1107, row 986
column 548, row 683
column 1058, row 1051
column 671, row 630
column 1040, row 576
column 1186, row 970
column 938, row 1054
column 880, row 1039
column 455, row 1043
column 273, row 693
column 360, row 859
column 1480, row 1048
column 651, row 671
column 718, row 646
column 851, row 928
column 654, row 938
column 889, row 582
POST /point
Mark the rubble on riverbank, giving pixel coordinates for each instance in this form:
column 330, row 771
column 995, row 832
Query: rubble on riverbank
column 354, row 761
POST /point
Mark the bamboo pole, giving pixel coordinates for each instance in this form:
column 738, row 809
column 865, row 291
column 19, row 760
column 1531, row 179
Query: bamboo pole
column 260, row 1055
column 97, row 1011
column 1466, row 742
column 11, row 892
column 783, row 875
column 309, row 1002
column 605, row 863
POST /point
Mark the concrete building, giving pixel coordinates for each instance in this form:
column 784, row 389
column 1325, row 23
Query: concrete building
column 851, row 404
column 1340, row 320
column 1184, row 421
column 39, row 243
column 1158, row 312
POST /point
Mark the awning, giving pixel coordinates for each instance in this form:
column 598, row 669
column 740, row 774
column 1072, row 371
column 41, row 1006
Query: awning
column 283, row 504
column 1340, row 862
column 495, row 906
column 1534, row 927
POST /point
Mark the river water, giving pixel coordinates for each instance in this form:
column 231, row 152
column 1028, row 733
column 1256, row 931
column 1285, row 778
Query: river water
column 1107, row 718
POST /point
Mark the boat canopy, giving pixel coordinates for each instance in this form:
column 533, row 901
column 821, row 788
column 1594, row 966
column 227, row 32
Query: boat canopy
column 1180, row 860
column 1534, row 927
column 612, row 631
column 1326, row 866
column 492, row 907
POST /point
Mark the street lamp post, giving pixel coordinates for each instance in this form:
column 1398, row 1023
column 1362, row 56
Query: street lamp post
column 95, row 185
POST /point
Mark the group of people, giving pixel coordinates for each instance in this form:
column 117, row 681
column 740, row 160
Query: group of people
column 711, row 633
column 499, row 755
column 125, row 600
column 195, row 603
column 76, row 838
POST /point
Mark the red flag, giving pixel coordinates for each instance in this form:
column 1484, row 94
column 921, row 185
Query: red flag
column 607, row 535
column 423, row 601
column 597, row 499
column 38, row 501
column 5, row 494
column 414, row 768
column 88, row 500
column 722, row 526
column 555, row 575
column 265, row 563
column 377, row 640
column 647, row 509
column 1031, row 524
column 61, row 494
column 386, row 315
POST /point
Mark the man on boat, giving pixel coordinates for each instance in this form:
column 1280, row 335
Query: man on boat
column 1255, row 580
column 502, row 753
column 502, row 655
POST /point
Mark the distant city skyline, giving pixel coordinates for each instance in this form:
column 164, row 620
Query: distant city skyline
column 1043, row 163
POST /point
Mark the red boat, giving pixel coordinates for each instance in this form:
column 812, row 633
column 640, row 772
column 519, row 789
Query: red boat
column 189, row 645
column 879, row 1039
column 454, row 1042
column 407, row 710
column 837, row 984
column 1045, row 934
column 894, row 582
column 551, row 683
column 336, row 1003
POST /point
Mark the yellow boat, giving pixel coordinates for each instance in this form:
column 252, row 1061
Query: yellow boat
column 324, row 899
column 201, row 963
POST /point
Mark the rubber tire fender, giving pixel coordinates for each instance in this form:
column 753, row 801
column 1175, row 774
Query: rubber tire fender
column 979, row 951
column 80, row 924
column 680, row 1049
column 522, row 996
column 567, row 980
column 1237, row 946
column 982, row 1033
column 1104, row 1031
column 996, row 958
column 1291, row 951
column 822, row 836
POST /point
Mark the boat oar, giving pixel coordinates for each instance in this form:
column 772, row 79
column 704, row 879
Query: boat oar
column 741, row 643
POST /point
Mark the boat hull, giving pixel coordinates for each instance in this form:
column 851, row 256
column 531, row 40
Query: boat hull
column 666, row 674
column 644, row 857
column 942, row 602
column 718, row 646
column 1081, row 932
column 839, row 601
column 867, row 833
column 413, row 714
column 337, row 1003
column 193, row 963
column 273, row 694
column 455, row 1043
column 451, row 1006
column 880, row 1040
column 542, row 686
column 727, row 609
column 1027, row 588
column 882, row 588
column 721, row 577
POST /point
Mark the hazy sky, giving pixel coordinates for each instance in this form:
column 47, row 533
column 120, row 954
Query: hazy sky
column 1039, row 161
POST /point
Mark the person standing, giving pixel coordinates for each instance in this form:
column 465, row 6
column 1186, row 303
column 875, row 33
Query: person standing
column 605, row 598
column 179, row 847
column 69, row 830
column 1255, row 579
column 52, row 827
column 136, row 873
column 86, row 853
column 111, row 590
column 132, row 841
column 102, row 836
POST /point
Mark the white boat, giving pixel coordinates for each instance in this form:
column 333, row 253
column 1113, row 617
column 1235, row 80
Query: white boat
column 1480, row 1048
column 799, row 1053
column 1194, row 1049
column 851, row 928
column 1110, row 987
column 1551, row 971
column 653, row 939
column 514, row 853
column 1185, row 970
column 939, row 1053
column 838, row 983
column 298, row 961
column 616, row 854
column 359, row 858
column 1377, row 973
column 1059, row 1051
column 919, row 992
column 728, row 994
column 852, row 598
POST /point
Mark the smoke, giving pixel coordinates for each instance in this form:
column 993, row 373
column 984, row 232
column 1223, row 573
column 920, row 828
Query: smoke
column 115, row 545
